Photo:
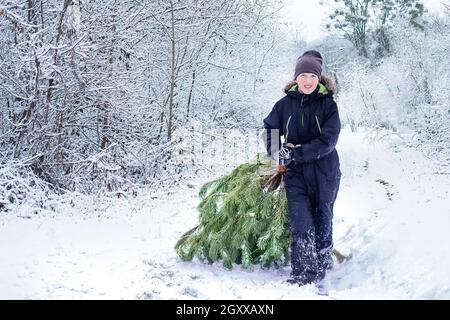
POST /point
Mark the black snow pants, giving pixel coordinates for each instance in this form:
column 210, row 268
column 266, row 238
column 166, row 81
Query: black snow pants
column 311, row 196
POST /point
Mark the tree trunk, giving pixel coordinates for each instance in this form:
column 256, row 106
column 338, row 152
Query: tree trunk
column 190, row 95
column 172, row 75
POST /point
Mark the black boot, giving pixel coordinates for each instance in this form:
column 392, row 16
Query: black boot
column 298, row 281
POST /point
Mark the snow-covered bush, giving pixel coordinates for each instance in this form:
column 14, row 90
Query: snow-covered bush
column 407, row 92
column 19, row 184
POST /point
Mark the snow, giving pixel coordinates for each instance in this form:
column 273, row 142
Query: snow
column 391, row 215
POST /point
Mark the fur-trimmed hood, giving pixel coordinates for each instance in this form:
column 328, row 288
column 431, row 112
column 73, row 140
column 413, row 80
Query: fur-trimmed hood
column 328, row 83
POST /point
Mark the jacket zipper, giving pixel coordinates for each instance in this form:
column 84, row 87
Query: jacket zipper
column 301, row 110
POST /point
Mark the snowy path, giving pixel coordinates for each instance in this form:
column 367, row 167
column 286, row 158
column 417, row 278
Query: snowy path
column 392, row 215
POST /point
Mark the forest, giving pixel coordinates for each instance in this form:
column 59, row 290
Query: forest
column 115, row 95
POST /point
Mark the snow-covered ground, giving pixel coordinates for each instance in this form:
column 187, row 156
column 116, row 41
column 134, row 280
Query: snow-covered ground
column 392, row 216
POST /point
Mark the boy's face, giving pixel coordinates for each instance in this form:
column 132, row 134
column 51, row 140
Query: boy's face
column 307, row 82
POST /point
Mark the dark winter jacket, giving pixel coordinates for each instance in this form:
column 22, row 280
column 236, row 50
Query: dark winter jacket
column 312, row 121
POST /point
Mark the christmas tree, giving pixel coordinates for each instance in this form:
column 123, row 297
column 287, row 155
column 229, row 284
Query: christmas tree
column 243, row 219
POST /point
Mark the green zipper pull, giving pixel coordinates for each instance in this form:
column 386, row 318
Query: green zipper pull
column 287, row 128
column 318, row 125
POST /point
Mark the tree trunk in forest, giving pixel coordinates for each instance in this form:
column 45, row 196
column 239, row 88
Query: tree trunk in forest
column 190, row 95
column 172, row 75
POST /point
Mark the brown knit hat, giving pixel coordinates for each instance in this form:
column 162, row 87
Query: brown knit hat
column 309, row 62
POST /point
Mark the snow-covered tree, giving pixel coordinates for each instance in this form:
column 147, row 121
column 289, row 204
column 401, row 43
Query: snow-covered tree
column 365, row 21
column 93, row 91
column 408, row 92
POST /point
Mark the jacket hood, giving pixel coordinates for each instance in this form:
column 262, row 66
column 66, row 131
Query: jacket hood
column 327, row 86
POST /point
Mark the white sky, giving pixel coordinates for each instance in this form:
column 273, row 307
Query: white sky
column 309, row 15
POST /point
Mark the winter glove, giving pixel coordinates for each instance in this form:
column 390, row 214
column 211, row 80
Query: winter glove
column 287, row 151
